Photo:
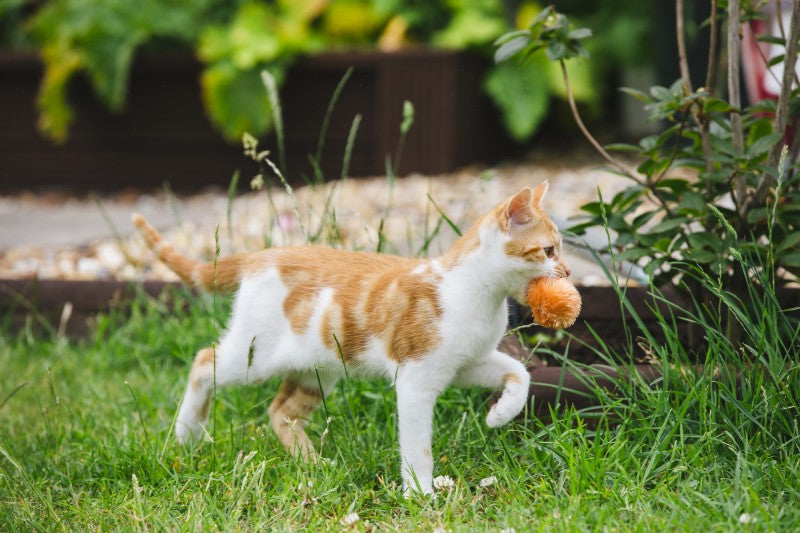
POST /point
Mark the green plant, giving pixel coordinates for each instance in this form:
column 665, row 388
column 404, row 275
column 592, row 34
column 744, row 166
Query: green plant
column 710, row 183
column 100, row 39
column 237, row 40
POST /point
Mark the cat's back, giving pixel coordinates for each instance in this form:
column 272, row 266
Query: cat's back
column 319, row 266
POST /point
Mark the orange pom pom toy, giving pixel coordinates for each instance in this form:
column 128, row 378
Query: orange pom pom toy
column 555, row 302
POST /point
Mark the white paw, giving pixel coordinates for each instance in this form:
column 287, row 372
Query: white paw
column 187, row 433
column 408, row 492
column 498, row 416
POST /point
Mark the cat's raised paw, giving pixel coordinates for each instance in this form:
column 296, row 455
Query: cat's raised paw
column 498, row 416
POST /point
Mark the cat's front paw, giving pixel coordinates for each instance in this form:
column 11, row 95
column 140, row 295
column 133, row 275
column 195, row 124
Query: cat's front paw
column 498, row 416
column 187, row 433
column 510, row 403
column 408, row 492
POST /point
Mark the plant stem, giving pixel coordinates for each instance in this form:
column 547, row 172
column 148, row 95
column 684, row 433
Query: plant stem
column 577, row 117
column 782, row 115
column 711, row 71
column 734, row 97
column 779, row 17
column 683, row 62
column 711, row 74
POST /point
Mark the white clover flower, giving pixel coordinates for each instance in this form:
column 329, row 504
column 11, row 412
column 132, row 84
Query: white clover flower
column 745, row 518
column 488, row 482
column 439, row 530
column 508, row 530
column 443, row 483
column 350, row 519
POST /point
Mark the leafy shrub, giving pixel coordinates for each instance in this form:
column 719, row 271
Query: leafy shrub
column 236, row 40
column 710, row 187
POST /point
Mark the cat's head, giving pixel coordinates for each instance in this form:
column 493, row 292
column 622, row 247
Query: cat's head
column 529, row 239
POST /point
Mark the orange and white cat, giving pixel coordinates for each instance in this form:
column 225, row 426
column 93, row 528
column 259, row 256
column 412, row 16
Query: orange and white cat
column 306, row 313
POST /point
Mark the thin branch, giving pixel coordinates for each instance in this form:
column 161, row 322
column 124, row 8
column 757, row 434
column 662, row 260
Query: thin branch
column 682, row 59
column 711, row 70
column 577, row 117
column 711, row 75
column 782, row 115
column 779, row 13
column 734, row 97
column 734, row 78
column 674, row 153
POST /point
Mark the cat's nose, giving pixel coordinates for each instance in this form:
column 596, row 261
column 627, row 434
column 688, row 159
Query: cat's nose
column 564, row 270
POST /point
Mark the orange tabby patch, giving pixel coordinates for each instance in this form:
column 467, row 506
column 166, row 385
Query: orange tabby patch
column 299, row 306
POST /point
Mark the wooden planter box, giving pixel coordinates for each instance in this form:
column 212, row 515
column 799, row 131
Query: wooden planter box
column 47, row 298
column 163, row 133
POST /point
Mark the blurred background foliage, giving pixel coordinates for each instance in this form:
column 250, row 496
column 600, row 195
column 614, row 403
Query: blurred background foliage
column 235, row 40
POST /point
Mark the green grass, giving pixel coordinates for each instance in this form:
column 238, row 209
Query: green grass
column 86, row 442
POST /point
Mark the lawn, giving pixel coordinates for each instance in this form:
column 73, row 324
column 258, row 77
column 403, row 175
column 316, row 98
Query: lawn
column 86, row 442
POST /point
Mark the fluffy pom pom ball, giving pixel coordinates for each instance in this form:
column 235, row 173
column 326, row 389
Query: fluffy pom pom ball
column 555, row 302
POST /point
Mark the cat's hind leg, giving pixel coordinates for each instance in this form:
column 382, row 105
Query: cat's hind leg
column 211, row 368
column 194, row 407
column 494, row 371
column 297, row 398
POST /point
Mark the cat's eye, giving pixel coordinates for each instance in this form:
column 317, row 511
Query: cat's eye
column 550, row 251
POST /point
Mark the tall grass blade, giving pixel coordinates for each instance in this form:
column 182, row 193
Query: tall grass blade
column 229, row 207
column 277, row 115
column 323, row 132
column 348, row 149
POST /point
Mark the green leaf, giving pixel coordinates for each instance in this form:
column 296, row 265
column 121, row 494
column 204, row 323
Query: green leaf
column 669, row 224
column 662, row 244
column 790, row 260
column 621, row 147
column 723, row 146
column 705, row 239
column 676, row 185
column 408, row 117
column 757, row 215
column 762, row 144
column 660, row 93
column 633, row 254
column 636, row 93
column 702, row 256
column 521, row 93
column 471, row 27
column 772, row 39
column 511, row 48
column 236, row 100
column 789, row 242
column 716, row 105
column 579, row 33
column 509, row 36
column 692, row 203
column 557, row 50
column 777, row 60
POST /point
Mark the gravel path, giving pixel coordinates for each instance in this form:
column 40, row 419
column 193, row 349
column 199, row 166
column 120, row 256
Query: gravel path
column 52, row 236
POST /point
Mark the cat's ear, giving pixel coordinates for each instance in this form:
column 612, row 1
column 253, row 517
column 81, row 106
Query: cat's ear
column 538, row 193
column 518, row 209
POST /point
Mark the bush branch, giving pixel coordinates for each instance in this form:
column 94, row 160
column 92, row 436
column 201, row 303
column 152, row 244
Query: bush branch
column 682, row 60
column 782, row 115
column 577, row 117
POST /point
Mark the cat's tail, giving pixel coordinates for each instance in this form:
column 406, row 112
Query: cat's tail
column 221, row 275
